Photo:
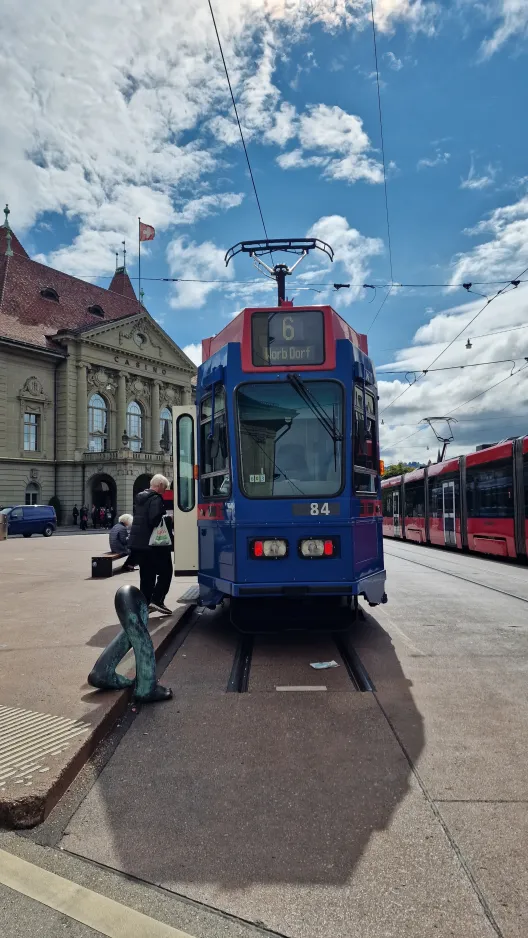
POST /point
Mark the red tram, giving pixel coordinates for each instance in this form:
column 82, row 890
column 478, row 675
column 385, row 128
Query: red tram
column 477, row 502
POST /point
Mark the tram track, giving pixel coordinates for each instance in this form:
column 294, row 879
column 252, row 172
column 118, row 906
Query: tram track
column 457, row 576
column 239, row 678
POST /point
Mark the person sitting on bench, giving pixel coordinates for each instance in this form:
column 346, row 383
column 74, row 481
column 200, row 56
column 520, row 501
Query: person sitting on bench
column 118, row 536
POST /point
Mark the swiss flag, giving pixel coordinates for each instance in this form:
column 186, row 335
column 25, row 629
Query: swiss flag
column 146, row 232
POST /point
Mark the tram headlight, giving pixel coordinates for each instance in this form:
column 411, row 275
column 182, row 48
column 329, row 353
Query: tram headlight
column 318, row 547
column 271, row 548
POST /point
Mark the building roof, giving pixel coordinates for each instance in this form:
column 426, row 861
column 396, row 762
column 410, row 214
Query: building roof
column 28, row 316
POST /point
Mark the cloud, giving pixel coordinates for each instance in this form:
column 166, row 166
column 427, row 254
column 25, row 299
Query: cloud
column 393, row 61
column 441, row 158
column 197, row 209
column 494, row 415
column 472, row 181
column 352, row 251
column 194, row 352
column 505, row 254
column 341, row 141
column 193, row 261
column 513, row 21
column 109, row 115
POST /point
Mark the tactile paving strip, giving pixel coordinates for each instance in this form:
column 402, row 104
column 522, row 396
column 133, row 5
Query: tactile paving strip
column 27, row 738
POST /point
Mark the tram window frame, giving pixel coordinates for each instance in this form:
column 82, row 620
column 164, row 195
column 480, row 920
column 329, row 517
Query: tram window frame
column 369, row 473
column 208, row 478
column 184, row 503
column 435, row 493
column 387, row 504
column 291, row 495
column 415, row 506
column 498, row 511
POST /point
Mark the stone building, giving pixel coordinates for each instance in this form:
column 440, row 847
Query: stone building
column 87, row 382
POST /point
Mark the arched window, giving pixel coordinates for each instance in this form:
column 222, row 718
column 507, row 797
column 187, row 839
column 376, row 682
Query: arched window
column 135, row 426
column 166, row 430
column 32, row 493
column 97, row 424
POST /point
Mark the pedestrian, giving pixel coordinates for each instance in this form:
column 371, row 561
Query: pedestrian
column 84, row 518
column 75, row 514
column 102, row 517
column 155, row 565
column 119, row 536
column 108, row 517
column 95, row 516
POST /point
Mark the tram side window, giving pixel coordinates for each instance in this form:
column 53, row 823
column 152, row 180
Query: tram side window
column 415, row 500
column 386, row 497
column 490, row 490
column 214, row 451
column 365, row 442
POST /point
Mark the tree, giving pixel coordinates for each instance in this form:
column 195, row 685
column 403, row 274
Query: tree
column 397, row 469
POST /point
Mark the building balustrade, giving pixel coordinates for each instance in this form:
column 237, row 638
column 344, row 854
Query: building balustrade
column 126, row 454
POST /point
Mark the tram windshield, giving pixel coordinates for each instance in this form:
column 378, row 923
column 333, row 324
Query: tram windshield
column 285, row 449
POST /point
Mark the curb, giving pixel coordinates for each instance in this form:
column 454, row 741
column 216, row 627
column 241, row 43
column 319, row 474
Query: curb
column 32, row 809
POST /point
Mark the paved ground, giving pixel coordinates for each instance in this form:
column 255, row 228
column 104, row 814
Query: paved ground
column 398, row 813
column 55, row 621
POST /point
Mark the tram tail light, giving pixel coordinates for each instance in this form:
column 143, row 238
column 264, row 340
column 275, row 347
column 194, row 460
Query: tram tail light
column 318, row 547
column 271, row 548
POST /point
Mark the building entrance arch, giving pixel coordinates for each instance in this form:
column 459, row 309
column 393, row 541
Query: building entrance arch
column 102, row 492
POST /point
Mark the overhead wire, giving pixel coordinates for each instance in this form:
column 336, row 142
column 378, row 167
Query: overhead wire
column 389, row 244
column 481, row 335
column 463, row 404
column 375, row 43
column 326, row 283
column 238, row 121
column 514, row 283
column 424, row 371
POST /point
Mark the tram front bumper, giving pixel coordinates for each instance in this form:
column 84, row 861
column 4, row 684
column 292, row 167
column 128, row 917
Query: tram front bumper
column 372, row 587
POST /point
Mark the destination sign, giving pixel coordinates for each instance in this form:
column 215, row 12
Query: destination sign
column 288, row 338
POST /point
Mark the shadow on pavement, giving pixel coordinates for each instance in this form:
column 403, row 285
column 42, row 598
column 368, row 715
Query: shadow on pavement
column 214, row 791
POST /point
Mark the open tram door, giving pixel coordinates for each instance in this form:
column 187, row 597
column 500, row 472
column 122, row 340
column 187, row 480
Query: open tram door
column 396, row 513
column 185, row 521
column 448, row 511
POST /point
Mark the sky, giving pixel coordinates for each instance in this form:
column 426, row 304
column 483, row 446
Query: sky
column 111, row 112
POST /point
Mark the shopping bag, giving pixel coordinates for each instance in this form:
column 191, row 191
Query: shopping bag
column 160, row 536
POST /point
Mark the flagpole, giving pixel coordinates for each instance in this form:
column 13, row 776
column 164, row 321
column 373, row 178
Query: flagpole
column 139, row 264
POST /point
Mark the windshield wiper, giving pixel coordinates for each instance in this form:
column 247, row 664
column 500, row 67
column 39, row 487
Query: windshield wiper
column 306, row 395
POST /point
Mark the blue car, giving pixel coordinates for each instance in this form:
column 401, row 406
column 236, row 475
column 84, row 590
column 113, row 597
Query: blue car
column 31, row 519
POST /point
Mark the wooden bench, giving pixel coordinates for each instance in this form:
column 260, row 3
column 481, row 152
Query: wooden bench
column 102, row 565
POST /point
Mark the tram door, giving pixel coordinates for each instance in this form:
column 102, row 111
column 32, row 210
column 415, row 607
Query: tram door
column 396, row 514
column 448, row 509
column 185, row 520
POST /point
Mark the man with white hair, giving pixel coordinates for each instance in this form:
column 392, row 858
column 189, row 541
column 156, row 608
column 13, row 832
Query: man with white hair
column 155, row 566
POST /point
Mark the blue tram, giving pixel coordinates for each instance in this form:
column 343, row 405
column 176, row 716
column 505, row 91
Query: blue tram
column 287, row 467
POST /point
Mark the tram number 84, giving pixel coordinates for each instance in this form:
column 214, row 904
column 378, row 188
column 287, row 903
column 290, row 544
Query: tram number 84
column 317, row 509
column 314, row 509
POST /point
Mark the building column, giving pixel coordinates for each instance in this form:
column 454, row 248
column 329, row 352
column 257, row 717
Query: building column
column 82, row 407
column 121, row 407
column 186, row 396
column 155, row 418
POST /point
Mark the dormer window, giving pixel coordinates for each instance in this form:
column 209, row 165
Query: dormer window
column 96, row 310
column 50, row 294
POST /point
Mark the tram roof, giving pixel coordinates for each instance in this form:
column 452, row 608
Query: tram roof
column 234, row 331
